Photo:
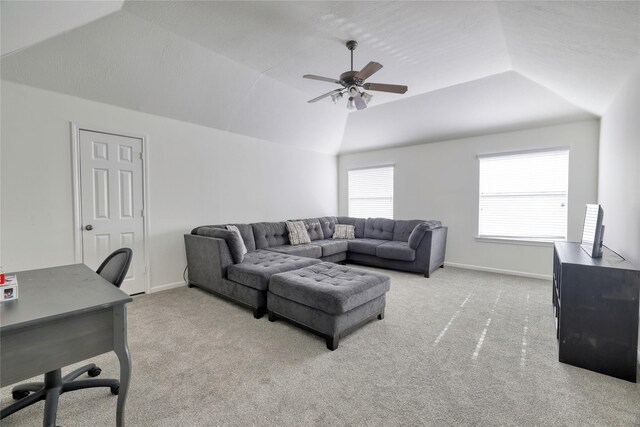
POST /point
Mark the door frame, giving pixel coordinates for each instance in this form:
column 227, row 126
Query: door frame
column 77, row 192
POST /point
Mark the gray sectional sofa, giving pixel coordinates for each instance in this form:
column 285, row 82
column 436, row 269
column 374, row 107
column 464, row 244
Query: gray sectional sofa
column 215, row 264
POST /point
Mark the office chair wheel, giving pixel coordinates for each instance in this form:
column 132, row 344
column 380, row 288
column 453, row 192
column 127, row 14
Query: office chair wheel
column 17, row 395
column 115, row 390
column 94, row 372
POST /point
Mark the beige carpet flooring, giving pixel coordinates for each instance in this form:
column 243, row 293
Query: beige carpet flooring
column 461, row 348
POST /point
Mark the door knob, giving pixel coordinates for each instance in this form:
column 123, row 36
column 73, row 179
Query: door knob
column 89, row 227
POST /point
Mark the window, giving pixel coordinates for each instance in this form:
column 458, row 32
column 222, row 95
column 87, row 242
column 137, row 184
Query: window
column 371, row 192
column 524, row 195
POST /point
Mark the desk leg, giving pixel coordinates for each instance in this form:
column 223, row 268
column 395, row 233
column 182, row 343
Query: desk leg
column 121, row 349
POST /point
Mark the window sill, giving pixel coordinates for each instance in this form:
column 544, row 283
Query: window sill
column 523, row 242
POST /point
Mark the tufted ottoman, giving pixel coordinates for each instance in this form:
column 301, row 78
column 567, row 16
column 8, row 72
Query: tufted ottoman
column 329, row 299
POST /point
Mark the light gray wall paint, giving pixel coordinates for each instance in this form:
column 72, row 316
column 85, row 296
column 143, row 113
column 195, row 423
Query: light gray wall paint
column 197, row 175
column 440, row 181
column 619, row 177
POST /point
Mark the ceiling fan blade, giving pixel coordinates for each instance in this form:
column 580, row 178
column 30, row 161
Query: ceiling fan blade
column 368, row 70
column 383, row 87
column 360, row 104
column 322, row 79
column 324, row 96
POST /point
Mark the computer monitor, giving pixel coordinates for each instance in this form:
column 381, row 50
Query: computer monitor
column 593, row 231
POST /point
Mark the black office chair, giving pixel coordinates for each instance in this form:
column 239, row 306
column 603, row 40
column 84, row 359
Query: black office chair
column 114, row 269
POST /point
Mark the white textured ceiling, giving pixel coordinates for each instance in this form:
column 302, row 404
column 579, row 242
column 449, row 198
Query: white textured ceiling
column 237, row 66
column 25, row 23
column 499, row 103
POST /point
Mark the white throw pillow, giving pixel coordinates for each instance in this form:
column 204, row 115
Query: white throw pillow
column 344, row 231
column 298, row 233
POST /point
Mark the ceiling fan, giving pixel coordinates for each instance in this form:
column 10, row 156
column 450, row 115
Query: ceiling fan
column 351, row 81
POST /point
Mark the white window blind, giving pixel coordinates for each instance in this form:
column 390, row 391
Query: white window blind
column 524, row 195
column 371, row 192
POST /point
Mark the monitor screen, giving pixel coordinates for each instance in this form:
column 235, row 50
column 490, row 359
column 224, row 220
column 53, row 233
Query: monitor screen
column 592, row 231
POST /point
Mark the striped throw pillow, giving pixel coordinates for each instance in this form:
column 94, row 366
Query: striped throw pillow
column 298, row 233
column 344, row 231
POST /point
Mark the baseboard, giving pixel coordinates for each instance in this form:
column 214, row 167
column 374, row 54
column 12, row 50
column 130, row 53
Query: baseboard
column 499, row 271
column 167, row 287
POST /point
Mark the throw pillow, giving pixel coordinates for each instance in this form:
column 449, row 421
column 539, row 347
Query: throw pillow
column 237, row 231
column 420, row 230
column 344, row 231
column 234, row 242
column 298, row 233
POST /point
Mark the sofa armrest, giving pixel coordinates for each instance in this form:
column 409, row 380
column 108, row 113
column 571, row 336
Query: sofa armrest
column 207, row 259
column 431, row 250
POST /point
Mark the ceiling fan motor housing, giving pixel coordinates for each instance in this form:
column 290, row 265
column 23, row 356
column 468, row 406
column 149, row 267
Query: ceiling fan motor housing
column 349, row 78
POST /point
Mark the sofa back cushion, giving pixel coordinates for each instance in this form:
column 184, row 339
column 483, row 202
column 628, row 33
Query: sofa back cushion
column 270, row 234
column 328, row 224
column 246, row 231
column 379, row 228
column 403, row 229
column 314, row 228
column 358, row 223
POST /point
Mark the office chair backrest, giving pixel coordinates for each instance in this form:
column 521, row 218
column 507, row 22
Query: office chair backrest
column 114, row 267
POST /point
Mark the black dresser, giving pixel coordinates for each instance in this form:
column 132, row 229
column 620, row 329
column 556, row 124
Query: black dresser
column 595, row 303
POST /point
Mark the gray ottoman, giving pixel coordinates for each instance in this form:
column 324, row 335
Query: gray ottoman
column 328, row 299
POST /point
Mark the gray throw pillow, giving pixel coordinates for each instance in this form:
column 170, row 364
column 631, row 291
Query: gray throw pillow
column 237, row 231
column 235, row 243
column 417, row 234
column 420, row 230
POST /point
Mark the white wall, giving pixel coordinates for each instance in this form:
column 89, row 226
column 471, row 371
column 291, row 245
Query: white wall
column 619, row 178
column 197, row 175
column 440, row 181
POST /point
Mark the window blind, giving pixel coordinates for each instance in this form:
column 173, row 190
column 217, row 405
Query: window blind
column 524, row 195
column 371, row 192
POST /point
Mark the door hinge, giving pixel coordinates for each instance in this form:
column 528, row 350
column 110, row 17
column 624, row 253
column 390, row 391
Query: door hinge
column 141, row 157
column 142, row 213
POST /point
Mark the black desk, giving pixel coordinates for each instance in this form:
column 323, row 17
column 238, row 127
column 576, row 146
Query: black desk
column 63, row 315
column 596, row 305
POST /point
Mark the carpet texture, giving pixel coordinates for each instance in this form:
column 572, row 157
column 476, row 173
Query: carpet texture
column 460, row 348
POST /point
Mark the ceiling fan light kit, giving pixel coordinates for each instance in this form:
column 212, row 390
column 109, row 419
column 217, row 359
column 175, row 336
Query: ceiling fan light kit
column 352, row 81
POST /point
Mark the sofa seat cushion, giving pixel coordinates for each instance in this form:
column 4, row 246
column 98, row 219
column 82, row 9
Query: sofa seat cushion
column 258, row 267
column 365, row 246
column 331, row 246
column 309, row 250
column 396, row 250
column 329, row 287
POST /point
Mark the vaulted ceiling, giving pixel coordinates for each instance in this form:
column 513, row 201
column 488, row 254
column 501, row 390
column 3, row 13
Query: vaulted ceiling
column 471, row 67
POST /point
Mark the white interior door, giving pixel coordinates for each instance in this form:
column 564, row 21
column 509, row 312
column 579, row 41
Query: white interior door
column 112, row 202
